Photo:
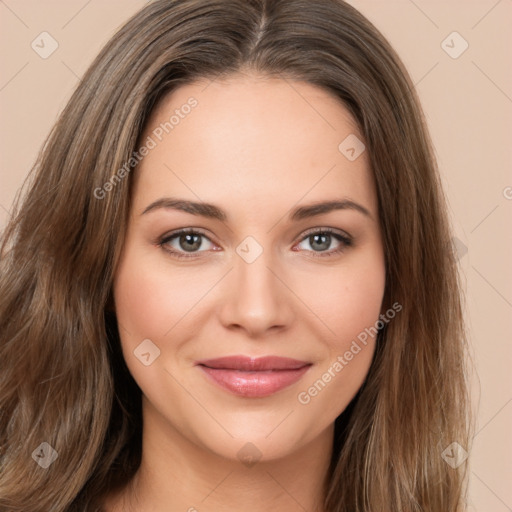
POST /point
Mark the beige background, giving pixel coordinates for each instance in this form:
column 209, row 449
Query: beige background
column 468, row 103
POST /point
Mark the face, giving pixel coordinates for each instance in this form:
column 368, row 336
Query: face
column 244, row 329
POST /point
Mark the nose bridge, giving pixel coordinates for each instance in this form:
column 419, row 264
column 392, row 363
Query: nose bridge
column 256, row 300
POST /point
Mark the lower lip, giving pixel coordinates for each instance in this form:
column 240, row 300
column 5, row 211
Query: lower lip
column 254, row 384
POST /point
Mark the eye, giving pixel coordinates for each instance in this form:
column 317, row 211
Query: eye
column 184, row 241
column 187, row 243
column 321, row 239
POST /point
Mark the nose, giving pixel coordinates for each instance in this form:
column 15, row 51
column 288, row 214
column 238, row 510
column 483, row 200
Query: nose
column 256, row 299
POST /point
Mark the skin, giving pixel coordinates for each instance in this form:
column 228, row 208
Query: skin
column 257, row 148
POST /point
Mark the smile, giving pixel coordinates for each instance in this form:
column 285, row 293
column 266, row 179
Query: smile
column 254, row 377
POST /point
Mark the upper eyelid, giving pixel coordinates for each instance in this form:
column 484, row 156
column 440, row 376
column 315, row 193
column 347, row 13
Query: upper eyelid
column 325, row 229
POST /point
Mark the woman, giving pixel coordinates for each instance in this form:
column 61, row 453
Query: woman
column 231, row 283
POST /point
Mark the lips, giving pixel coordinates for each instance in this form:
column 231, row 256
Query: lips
column 254, row 377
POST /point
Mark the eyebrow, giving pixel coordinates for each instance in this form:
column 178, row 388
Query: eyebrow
column 214, row 212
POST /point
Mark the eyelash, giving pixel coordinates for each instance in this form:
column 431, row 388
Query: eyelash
column 346, row 241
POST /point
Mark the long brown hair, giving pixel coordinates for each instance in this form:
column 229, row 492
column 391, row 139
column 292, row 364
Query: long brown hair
column 63, row 380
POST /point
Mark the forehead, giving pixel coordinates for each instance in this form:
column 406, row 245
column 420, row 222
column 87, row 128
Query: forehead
column 251, row 140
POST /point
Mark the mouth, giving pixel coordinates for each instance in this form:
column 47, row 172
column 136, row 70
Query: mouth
column 251, row 377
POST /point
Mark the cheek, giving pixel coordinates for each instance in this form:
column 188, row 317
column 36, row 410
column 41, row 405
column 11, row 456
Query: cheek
column 147, row 307
column 350, row 306
column 349, row 299
column 148, row 303
column 139, row 301
column 359, row 303
column 152, row 303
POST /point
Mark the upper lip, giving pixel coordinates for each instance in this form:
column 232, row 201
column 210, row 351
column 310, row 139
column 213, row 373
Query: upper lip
column 253, row 364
